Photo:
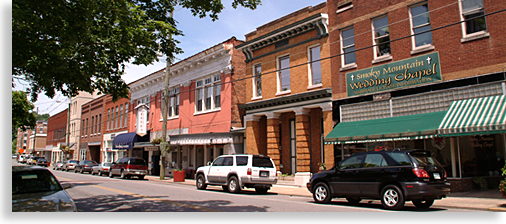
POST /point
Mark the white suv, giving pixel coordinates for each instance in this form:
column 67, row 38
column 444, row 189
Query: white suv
column 235, row 172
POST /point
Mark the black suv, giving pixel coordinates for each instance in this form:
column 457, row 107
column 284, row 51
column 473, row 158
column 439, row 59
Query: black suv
column 390, row 176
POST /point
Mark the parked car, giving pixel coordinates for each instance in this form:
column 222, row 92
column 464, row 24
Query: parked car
column 70, row 164
column 57, row 165
column 35, row 189
column 127, row 167
column 22, row 158
column 42, row 162
column 235, row 172
column 393, row 177
column 102, row 168
column 33, row 160
column 85, row 166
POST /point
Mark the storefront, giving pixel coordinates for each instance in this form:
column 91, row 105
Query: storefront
column 467, row 138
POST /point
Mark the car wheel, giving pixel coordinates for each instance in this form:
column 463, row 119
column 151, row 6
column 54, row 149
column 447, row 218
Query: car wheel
column 100, row 173
column 261, row 190
column 92, row 173
column 225, row 188
column 423, row 204
column 233, row 185
column 321, row 193
column 110, row 174
column 75, row 170
column 201, row 182
column 81, row 171
column 353, row 201
column 122, row 176
column 392, row 197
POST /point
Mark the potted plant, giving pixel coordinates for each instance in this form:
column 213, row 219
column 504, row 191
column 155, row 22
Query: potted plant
column 156, row 141
column 322, row 166
column 502, row 184
column 178, row 175
column 481, row 182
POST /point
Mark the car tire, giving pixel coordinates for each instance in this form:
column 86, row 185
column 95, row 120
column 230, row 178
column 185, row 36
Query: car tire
column 392, row 197
column 100, row 173
column 321, row 193
column 81, row 171
column 225, row 188
column 261, row 190
column 423, row 204
column 353, row 201
column 141, row 177
column 122, row 175
column 75, row 170
column 201, row 182
column 233, row 185
column 110, row 174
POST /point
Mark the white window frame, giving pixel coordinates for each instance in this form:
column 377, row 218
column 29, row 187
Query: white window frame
column 207, row 83
column 345, row 66
column 311, row 84
column 425, row 47
column 473, row 36
column 255, row 81
column 385, row 57
column 278, row 75
column 173, row 102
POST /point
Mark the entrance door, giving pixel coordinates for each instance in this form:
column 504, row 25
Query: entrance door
column 293, row 147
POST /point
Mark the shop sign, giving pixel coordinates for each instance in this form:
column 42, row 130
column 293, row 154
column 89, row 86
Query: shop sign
column 142, row 114
column 400, row 74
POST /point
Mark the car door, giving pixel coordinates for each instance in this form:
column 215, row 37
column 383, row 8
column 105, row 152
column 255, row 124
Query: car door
column 228, row 163
column 373, row 172
column 344, row 181
column 214, row 171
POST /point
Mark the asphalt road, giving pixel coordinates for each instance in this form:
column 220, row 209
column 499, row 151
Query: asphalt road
column 94, row 193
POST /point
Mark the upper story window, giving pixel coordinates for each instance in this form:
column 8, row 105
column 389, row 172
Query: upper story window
column 315, row 68
column 284, row 74
column 420, row 22
column 126, row 114
column 473, row 10
column 381, row 37
column 348, row 47
column 208, row 94
column 174, row 102
column 108, row 119
column 257, row 81
column 120, row 116
column 116, row 118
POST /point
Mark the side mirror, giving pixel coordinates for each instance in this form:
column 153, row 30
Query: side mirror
column 66, row 185
column 113, row 163
column 209, row 163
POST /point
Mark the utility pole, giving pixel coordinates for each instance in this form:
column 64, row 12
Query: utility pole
column 164, row 144
column 35, row 134
column 68, row 132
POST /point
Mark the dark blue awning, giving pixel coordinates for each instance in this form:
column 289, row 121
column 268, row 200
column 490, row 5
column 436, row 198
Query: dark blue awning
column 127, row 140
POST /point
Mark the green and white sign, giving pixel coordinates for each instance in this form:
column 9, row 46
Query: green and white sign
column 400, row 74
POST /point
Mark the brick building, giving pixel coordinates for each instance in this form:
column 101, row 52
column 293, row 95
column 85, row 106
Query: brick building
column 92, row 127
column 204, row 120
column 115, row 121
column 421, row 74
column 75, row 122
column 25, row 139
column 57, row 136
column 288, row 97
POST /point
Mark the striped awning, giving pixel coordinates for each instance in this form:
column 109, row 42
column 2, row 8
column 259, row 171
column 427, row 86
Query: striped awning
column 475, row 117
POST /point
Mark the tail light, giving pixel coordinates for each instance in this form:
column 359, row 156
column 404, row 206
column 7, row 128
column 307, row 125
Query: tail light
column 249, row 171
column 445, row 174
column 420, row 173
column 128, row 167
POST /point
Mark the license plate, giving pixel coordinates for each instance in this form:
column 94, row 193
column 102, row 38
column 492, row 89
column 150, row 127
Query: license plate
column 437, row 176
column 264, row 173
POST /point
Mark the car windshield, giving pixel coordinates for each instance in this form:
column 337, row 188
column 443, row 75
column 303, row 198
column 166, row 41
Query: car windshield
column 31, row 181
column 107, row 164
column 42, row 160
column 74, row 161
column 139, row 162
column 262, row 162
column 424, row 159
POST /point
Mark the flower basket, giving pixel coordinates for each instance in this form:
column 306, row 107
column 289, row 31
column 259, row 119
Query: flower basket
column 179, row 175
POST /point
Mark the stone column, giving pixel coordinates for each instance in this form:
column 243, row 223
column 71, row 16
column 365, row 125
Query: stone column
column 252, row 134
column 273, row 138
column 328, row 125
column 302, row 143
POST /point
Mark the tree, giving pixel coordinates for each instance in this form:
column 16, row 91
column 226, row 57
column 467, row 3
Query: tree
column 22, row 117
column 73, row 45
column 42, row 117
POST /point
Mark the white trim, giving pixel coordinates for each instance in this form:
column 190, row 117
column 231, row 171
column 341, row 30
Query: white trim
column 383, row 58
column 345, row 66
column 311, row 87
column 309, row 65
column 207, row 111
column 375, row 48
column 344, row 9
column 412, row 29
column 475, row 36
column 427, row 47
column 469, row 37
column 278, row 78
column 254, row 92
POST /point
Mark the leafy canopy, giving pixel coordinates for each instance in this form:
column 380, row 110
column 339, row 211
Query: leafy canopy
column 21, row 115
column 83, row 45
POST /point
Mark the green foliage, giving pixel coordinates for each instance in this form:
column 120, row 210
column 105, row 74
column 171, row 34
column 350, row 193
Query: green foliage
column 14, row 143
column 73, row 45
column 502, row 184
column 22, row 117
column 42, row 117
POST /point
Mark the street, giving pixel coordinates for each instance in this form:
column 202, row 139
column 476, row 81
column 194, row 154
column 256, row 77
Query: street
column 102, row 194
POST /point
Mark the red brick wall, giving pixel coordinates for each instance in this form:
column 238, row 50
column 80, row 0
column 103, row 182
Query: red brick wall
column 54, row 123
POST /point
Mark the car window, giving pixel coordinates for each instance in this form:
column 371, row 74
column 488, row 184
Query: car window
column 374, row 160
column 139, row 162
column 352, row 162
column 33, row 181
column 262, row 162
column 401, row 159
column 107, row 164
column 228, row 161
column 241, row 160
column 218, row 161
column 423, row 159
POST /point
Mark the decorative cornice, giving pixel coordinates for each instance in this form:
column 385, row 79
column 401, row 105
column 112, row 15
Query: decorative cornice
column 317, row 21
column 300, row 97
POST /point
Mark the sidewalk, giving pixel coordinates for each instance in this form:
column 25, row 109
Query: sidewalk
column 490, row 200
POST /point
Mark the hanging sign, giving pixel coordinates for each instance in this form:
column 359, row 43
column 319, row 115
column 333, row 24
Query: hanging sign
column 142, row 115
column 400, row 74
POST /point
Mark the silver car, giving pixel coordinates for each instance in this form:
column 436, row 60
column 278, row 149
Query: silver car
column 36, row 189
column 102, row 168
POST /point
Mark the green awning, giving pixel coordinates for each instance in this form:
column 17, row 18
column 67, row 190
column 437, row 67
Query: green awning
column 475, row 117
column 419, row 126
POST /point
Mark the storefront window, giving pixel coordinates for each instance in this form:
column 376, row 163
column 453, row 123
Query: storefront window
column 481, row 155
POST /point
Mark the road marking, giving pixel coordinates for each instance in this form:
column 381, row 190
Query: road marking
column 200, row 208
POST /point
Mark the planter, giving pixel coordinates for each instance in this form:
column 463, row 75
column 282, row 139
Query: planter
column 179, row 175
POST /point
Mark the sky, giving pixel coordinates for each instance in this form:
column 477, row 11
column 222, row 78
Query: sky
column 200, row 34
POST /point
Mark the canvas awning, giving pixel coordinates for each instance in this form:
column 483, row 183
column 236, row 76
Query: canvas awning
column 127, row 140
column 475, row 117
column 419, row 126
